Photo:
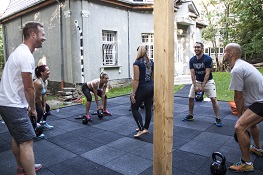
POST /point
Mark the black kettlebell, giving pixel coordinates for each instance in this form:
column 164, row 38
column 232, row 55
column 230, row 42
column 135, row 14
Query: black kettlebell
column 218, row 167
column 199, row 96
column 38, row 128
column 84, row 120
column 100, row 113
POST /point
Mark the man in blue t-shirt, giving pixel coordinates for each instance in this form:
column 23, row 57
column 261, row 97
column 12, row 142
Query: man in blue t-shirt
column 202, row 81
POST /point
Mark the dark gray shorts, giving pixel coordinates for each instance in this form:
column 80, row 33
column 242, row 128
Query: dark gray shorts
column 18, row 123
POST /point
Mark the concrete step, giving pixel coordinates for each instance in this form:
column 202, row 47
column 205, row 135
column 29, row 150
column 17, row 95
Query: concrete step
column 182, row 79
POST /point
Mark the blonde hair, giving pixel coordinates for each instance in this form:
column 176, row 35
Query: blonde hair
column 142, row 52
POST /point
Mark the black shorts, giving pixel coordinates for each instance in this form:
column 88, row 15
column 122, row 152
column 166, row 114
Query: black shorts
column 257, row 108
column 18, row 123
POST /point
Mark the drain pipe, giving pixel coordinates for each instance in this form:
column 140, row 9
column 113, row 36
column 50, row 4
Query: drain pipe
column 61, row 46
column 129, row 55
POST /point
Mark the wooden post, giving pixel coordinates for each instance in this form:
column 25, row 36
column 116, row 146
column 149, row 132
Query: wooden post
column 163, row 86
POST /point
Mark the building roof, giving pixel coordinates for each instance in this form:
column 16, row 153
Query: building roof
column 19, row 5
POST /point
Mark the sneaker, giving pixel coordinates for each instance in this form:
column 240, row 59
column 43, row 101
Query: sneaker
column 253, row 150
column 107, row 113
column 42, row 136
column 188, row 118
column 218, row 122
column 241, row 167
column 47, row 126
column 20, row 171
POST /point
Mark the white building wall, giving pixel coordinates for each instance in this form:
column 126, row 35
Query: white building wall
column 106, row 18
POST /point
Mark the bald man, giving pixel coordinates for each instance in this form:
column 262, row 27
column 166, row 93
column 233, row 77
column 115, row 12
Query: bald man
column 247, row 83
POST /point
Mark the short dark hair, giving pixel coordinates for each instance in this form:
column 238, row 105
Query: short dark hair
column 31, row 27
column 40, row 69
column 102, row 74
column 202, row 45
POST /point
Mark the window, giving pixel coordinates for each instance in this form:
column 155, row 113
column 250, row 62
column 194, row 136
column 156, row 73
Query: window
column 147, row 39
column 211, row 51
column 207, row 51
column 109, row 48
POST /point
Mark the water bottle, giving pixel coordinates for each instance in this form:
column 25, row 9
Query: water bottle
column 57, row 108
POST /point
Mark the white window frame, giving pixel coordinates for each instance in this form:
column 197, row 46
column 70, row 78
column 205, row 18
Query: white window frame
column 148, row 40
column 109, row 48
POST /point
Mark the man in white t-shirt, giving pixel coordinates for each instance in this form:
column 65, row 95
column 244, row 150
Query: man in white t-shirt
column 17, row 95
column 247, row 83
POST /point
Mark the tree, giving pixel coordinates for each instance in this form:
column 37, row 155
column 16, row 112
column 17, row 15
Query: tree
column 211, row 32
column 249, row 27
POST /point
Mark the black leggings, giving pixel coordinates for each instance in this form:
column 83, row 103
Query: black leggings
column 40, row 113
column 86, row 92
column 143, row 94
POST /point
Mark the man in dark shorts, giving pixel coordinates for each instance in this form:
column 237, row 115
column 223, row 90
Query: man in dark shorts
column 17, row 95
column 247, row 83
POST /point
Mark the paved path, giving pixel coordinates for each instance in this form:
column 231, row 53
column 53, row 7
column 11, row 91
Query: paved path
column 107, row 147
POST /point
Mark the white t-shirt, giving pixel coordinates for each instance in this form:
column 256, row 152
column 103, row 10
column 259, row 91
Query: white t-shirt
column 246, row 78
column 11, row 86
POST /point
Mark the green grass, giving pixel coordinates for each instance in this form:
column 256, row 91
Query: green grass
column 115, row 92
column 222, row 80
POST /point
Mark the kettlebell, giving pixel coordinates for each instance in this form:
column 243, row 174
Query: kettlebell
column 84, row 120
column 37, row 128
column 218, row 167
column 100, row 113
column 199, row 96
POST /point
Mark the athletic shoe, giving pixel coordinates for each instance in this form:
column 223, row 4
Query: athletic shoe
column 145, row 131
column 107, row 113
column 188, row 118
column 20, row 171
column 218, row 122
column 241, row 167
column 253, row 150
column 42, row 136
column 47, row 126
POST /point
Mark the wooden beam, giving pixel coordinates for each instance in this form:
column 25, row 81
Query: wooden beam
column 163, row 86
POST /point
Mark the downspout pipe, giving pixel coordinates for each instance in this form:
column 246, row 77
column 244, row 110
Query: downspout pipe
column 61, row 46
column 129, row 54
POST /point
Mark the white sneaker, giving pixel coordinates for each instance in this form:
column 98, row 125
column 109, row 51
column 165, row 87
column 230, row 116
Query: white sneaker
column 42, row 136
column 47, row 126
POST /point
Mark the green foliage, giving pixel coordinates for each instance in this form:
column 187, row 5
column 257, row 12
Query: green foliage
column 250, row 26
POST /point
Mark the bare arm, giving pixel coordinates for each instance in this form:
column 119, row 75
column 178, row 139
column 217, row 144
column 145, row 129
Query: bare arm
column 29, row 92
column 193, row 79
column 239, row 100
column 135, row 82
column 103, row 95
column 207, row 73
column 95, row 91
column 38, row 88
column 44, row 97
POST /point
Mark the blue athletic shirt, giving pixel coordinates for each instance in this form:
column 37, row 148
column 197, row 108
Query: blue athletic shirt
column 200, row 65
column 145, row 73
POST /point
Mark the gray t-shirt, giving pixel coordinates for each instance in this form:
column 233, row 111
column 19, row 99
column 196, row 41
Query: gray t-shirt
column 246, row 78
